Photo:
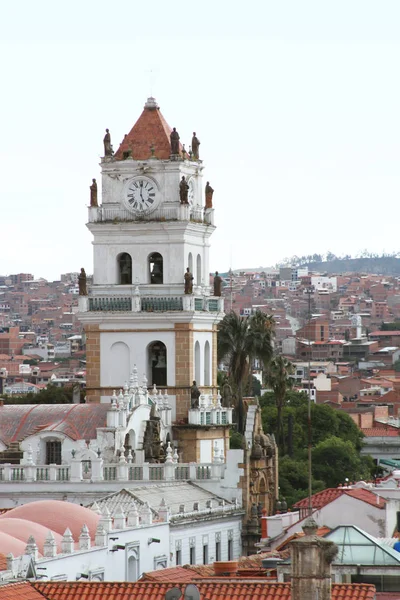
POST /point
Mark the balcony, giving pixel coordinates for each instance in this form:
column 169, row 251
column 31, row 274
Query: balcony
column 129, row 299
column 166, row 212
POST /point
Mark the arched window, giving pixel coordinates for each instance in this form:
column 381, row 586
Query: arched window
column 124, row 269
column 198, row 270
column 157, row 363
column 207, row 370
column 197, row 362
column 156, row 268
column 133, row 570
column 119, row 363
column 190, row 262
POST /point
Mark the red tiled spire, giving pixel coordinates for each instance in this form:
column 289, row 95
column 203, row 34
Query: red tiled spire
column 151, row 129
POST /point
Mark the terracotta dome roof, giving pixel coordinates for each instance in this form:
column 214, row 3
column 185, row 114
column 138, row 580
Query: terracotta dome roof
column 57, row 516
column 22, row 529
column 8, row 544
column 151, row 129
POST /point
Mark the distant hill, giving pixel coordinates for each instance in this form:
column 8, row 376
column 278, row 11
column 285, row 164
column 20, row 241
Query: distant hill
column 383, row 265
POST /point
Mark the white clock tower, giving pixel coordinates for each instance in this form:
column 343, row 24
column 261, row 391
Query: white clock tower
column 146, row 235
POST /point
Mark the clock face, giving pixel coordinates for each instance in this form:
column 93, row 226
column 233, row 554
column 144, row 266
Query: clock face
column 141, row 195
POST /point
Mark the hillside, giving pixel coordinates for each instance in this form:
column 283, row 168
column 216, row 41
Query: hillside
column 383, row 265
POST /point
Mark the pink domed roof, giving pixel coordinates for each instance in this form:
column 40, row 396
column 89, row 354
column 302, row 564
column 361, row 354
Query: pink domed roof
column 57, row 516
column 8, row 544
column 22, row 529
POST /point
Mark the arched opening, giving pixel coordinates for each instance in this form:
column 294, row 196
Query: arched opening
column 119, row 364
column 133, row 568
column 130, row 441
column 197, row 362
column 124, row 269
column 190, row 262
column 156, row 268
column 157, row 361
column 207, row 370
column 198, row 270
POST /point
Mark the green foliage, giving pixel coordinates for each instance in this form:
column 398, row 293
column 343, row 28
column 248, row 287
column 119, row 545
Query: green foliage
column 394, row 326
column 335, row 459
column 236, row 440
column 336, row 442
column 255, row 387
column 293, row 480
column 240, row 340
column 49, row 395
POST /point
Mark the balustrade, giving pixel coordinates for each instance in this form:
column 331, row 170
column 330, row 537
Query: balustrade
column 109, row 472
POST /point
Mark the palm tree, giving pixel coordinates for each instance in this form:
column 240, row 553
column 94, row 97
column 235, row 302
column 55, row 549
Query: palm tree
column 280, row 380
column 240, row 340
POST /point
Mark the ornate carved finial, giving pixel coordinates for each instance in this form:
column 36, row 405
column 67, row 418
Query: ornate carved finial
column 175, row 458
column 169, row 453
column 310, row 526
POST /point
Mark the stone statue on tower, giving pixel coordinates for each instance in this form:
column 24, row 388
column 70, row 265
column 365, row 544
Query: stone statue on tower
column 82, row 283
column 188, row 282
column 209, row 195
column 174, row 137
column 108, row 149
column 184, row 190
column 93, row 193
column 195, row 146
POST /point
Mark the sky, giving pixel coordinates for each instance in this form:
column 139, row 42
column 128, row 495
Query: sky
column 296, row 104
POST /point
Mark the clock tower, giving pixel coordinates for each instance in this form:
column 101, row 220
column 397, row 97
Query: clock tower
column 151, row 228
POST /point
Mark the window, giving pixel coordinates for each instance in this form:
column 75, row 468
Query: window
column 197, row 363
column 157, row 361
column 198, row 270
column 124, row 269
column 53, row 453
column 207, row 378
column 178, row 557
column 156, row 268
column 192, row 556
column 230, row 549
column 205, row 554
column 217, row 551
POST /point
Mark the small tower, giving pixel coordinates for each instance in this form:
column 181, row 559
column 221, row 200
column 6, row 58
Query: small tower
column 151, row 228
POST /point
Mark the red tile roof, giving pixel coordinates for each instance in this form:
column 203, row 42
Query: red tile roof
column 77, row 421
column 149, row 590
column 331, row 494
column 380, row 432
column 19, row 591
column 150, row 129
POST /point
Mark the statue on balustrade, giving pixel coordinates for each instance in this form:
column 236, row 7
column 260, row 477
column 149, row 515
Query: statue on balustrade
column 152, row 442
column 194, row 395
column 93, row 193
column 184, row 191
column 195, row 146
column 209, row 195
column 108, row 149
column 188, row 282
column 227, row 397
column 82, row 283
column 174, row 139
column 217, row 284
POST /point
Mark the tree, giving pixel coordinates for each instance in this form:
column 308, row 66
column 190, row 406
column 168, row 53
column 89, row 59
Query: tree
column 280, row 379
column 335, row 459
column 240, row 341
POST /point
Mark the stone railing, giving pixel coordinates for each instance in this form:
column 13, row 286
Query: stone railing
column 210, row 416
column 132, row 301
column 122, row 471
column 166, row 212
column 30, row 472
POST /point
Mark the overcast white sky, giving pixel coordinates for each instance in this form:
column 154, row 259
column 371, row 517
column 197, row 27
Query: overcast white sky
column 296, row 104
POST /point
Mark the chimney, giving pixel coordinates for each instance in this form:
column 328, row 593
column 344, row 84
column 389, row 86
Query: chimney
column 311, row 558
